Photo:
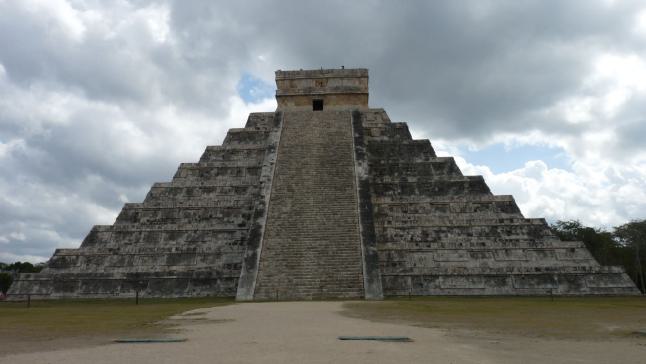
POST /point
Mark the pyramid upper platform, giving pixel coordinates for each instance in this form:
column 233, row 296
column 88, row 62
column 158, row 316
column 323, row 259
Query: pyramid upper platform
column 322, row 89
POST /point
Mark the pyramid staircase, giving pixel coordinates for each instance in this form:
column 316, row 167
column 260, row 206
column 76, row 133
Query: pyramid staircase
column 312, row 245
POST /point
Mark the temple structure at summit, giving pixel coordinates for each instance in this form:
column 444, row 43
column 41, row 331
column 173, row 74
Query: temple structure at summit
column 324, row 197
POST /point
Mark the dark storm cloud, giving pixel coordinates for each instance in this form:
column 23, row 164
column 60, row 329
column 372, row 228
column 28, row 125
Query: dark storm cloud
column 469, row 69
column 98, row 99
column 462, row 69
column 631, row 133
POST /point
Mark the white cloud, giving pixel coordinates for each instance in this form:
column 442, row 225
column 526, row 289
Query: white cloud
column 157, row 18
column 10, row 257
column 640, row 22
column 596, row 195
column 622, row 75
column 10, row 146
column 14, row 235
column 58, row 15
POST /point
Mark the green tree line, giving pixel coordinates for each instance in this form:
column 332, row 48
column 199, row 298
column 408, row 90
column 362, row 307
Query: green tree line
column 624, row 246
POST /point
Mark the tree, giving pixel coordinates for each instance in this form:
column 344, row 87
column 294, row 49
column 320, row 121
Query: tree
column 599, row 242
column 625, row 247
column 633, row 236
column 5, row 282
column 25, row 267
column 8, row 270
column 567, row 230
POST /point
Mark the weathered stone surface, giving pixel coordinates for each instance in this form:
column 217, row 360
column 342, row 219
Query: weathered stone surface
column 187, row 238
column 251, row 260
column 311, row 248
column 304, row 204
column 441, row 233
column 337, row 89
column 371, row 274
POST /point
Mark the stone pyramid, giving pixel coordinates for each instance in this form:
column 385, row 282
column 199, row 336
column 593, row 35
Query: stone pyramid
column 325, row 197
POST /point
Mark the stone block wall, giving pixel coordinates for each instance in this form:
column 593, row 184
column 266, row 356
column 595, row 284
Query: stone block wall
column 439, row 232
column 339, row 89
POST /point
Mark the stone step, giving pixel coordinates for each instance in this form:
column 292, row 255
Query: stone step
column 200, row 215
column 472, row 242
column 503, row 209
column 175, row 194
column 312, row 245
column 561, row 283
column 447, row 199
column 386, row 151
column 467, row 186
column 246, row 163
column 240, row 153
column 156, row 239
column 435, row 167
column 246, row 136
column 212, row 170
column 449, row 221
column 263, row 120
column 212, row 182
column 447, row 234
column 244, row 202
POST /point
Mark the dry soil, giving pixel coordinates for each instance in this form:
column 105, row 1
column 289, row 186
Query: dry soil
column 306, row 332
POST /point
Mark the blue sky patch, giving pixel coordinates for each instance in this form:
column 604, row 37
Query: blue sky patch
column 253, row 89
column 501, row 158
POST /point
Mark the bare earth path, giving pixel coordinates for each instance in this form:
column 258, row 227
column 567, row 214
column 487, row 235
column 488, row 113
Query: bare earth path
column 306, row 332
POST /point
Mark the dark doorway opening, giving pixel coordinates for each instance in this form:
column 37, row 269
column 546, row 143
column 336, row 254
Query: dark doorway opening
column 317, row 105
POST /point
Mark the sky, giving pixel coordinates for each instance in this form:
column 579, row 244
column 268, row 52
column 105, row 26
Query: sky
column 99, row 99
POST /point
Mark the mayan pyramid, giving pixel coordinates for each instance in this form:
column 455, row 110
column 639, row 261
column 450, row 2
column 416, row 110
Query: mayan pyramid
column 325, row 197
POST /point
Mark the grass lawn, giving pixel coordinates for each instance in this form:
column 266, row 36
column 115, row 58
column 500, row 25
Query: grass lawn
column 64, row 321
column 563, row 317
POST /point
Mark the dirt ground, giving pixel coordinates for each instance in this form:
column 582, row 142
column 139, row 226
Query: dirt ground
column 306, row 332
column 59, row 324
column 578, row 318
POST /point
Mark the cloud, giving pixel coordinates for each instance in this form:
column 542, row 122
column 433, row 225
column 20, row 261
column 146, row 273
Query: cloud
column 98, row 100
column 602, row 197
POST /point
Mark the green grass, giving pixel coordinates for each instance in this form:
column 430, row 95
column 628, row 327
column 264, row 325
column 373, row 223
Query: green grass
column 54, row 319
column 571, row 317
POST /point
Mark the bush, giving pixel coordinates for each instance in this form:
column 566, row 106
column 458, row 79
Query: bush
column 5, row 282
column 25, row 267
